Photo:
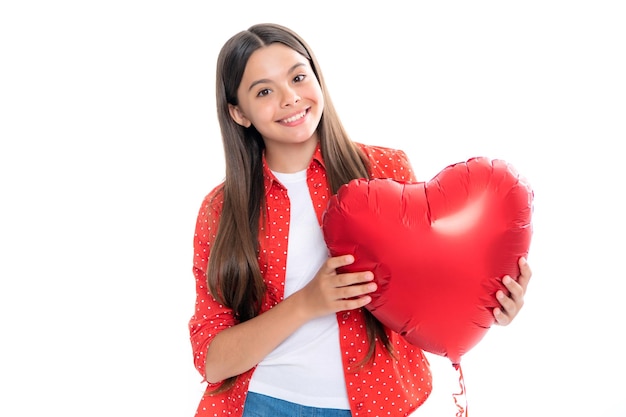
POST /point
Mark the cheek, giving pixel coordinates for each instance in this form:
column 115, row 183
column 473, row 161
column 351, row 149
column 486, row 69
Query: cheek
column 316, row 95
column 260, row 114
column 319, row 94
column 320, row 104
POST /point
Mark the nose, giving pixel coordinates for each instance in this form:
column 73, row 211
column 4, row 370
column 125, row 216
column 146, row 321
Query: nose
column 290, row 97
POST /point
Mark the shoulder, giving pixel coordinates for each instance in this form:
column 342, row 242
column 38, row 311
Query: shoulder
column 213, row 202
column 388, row 162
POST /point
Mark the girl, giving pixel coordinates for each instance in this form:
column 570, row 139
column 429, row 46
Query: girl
column 277, row 330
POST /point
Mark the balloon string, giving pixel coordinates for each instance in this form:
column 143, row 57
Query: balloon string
column 461, row 411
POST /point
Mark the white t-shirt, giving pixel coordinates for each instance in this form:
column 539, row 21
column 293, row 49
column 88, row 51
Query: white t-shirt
column 306, row 368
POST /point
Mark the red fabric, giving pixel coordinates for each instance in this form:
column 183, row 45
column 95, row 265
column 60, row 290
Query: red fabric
column 388, row 387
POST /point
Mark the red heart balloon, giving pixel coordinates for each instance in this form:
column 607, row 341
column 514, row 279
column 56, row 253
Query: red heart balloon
column 438, row 249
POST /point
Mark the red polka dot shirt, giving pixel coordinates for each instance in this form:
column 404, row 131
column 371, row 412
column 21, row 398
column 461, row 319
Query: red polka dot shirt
column 387, row 386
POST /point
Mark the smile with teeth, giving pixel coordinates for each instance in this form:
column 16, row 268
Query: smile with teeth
column 294, row 118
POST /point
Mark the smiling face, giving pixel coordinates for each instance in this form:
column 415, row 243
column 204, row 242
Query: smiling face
column 280, row 96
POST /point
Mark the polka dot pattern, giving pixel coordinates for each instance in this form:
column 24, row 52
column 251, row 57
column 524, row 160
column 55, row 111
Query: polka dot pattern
column 385, row 386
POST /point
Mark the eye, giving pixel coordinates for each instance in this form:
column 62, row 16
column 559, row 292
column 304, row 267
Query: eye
column 299, row 78
column 263, row 92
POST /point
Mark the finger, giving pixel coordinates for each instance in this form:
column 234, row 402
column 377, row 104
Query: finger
column 508, row 306
column 353, row 303
column 516, row 291
column 501, row 318
column 356, row 290
column 525, row 273
column 352, row 279
column 512, row 303
column 337, row 262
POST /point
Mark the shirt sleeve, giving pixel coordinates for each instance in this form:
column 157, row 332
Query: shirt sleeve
column 210, row 317
column 389, row 163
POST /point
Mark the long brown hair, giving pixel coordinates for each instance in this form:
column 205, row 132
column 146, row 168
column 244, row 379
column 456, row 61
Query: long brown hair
column 234, row 277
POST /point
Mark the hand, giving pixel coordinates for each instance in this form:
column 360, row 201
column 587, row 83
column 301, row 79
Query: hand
column 512, row 303
column 330, row 292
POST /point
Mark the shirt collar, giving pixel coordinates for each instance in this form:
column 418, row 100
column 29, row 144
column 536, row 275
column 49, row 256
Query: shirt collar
column 269, row 179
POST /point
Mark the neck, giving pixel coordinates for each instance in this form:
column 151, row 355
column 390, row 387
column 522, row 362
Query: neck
column 290, row 157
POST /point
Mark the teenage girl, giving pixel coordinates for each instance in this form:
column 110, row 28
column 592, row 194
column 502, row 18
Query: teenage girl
column 277, row 331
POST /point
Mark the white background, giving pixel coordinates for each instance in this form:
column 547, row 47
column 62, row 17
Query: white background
column 109, row 142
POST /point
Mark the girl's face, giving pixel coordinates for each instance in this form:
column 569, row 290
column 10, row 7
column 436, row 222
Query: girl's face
column 280, row 96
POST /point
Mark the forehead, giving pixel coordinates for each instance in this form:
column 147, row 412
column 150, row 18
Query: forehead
column 272, row 61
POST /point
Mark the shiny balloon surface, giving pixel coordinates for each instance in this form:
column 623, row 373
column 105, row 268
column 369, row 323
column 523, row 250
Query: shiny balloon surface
column 438, row 249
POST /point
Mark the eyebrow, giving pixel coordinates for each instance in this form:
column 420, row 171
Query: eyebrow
column 265, row 80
